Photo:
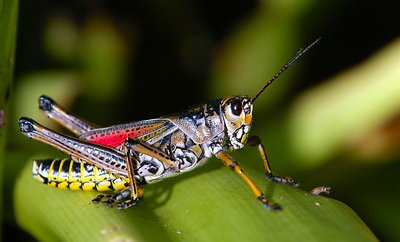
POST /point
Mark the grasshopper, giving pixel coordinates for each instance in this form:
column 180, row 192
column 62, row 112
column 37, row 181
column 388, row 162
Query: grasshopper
column 120, row 159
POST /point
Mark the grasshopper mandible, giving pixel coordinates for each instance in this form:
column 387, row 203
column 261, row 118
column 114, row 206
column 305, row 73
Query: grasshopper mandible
column 122, row 158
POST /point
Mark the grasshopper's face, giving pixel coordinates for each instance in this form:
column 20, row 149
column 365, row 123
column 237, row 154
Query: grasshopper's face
column 237, row 114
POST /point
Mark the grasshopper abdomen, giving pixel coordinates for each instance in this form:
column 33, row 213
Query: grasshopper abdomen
column 69, row 174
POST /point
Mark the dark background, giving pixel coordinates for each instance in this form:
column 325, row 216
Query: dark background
column 351, row 31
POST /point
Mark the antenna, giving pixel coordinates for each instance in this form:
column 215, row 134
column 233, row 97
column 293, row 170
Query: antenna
column 299, row 53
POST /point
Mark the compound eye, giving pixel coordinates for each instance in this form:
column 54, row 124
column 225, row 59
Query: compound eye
column 236, row 107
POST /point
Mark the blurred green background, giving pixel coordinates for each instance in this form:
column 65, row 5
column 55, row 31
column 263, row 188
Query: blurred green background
column 333, row 119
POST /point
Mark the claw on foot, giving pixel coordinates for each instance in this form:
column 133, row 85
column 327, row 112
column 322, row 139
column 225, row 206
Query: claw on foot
column 115, row 200
column 283, row 180
column 128, row 203
column 268, row 204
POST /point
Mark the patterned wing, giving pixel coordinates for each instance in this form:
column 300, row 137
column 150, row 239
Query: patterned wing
column 201, row 123
column 149, row 131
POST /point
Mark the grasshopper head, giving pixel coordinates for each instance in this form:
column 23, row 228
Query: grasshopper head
column 237, row 110
column 237, row 114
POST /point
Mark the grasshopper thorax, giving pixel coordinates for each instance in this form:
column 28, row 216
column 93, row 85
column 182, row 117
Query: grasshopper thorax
column 237, row 115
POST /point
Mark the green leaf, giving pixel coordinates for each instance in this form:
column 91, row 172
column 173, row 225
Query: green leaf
column 208, row 204
column 8, row 29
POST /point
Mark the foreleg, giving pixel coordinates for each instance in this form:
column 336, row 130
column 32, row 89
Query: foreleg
column 255, row 141
column 233, row 165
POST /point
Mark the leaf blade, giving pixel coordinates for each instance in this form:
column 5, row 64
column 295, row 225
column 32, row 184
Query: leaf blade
column 209, row 204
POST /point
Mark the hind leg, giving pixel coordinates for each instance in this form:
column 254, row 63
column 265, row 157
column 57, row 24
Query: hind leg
column 67, row 120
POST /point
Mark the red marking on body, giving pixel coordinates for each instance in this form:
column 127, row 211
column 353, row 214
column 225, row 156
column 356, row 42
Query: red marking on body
column 115, row 139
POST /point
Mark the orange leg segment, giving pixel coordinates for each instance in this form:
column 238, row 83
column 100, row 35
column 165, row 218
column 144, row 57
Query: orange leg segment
column 255, row 141
column 234, row 165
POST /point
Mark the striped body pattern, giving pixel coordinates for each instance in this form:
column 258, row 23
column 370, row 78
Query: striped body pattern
column 68, row 174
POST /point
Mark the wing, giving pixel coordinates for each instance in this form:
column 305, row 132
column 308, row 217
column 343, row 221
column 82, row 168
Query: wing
column 149, row 131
